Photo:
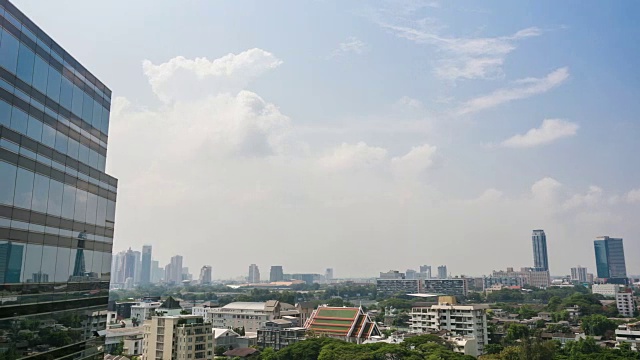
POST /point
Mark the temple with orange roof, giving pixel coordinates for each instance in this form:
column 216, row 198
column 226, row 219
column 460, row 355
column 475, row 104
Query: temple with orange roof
column 351, row 324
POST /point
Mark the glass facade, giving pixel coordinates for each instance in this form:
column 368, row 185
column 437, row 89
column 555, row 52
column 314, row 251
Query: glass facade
column 610, row 262
column 540, row 258
column 57, row 204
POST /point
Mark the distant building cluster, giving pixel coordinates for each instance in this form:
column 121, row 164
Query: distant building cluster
column 131, row 268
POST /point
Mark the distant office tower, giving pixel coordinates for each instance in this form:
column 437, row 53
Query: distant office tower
column 392, row 274
column 173, row 271
column 410, row 274
column 442, row 272
column 579, row 274
column 328, row 274
column 610, row 264
column 145, row 265
column 156, row 275
column 540, row 258
column 425, row 271
column 205, row 275
column 275, row 274
column 129, row 265
column 254, row 274
column 57, row 204
column 118, row 267
column 167, row 273
column 138, row 255
column 10, row 262
column 186, row 275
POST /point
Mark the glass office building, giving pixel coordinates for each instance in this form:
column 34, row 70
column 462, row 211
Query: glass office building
column 610, row 263
column 57, row 204
column 540, row 257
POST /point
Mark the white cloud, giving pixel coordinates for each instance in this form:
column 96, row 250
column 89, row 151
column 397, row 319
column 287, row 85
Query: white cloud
column 528, row 87
column 351, row 45
column 592, row 197
column 546, row 190
column 354, row 157
column 459, row 57
column 550, row 131
column 232, row 72
column 633, row 196
column 415, row 162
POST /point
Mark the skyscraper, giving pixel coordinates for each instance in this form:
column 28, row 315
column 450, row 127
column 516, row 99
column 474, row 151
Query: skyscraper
column 145, row 265
column 57, row 204
column 442, row 272
column 328, row 274
column 610, row 263
column 156, row 271
column 129, row 265
column 540, row 258
column 136, row 272
column 276, row 273
column 205, row 275
column 174, row 273
column 425, row 271
column 579, row 274
column 254, row 274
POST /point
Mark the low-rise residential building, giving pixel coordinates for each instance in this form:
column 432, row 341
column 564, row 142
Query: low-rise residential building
column 606, row 290
column 490, row 281
column 460, row 320
column 626, row 303
column 225, row 338
column 629, row 333
column 250, row 315
column 278, row 334
column 177, row 338
column 467, row 345
column 574, row 312
column 144, row 310
column 350, row 324
column 131, row 337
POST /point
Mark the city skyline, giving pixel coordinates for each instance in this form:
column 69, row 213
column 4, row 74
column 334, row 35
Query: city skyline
column 426, row 126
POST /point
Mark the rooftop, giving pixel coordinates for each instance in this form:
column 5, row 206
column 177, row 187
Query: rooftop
column 239, row 305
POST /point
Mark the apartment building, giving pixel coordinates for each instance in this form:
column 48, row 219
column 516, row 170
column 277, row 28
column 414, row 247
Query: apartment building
column 177, row 338
column 392, row 286
column 451, row 286
column 250, row 315
column 461, row 321
column 278, row 334
column 629, row 333
column 626, row 303
column 531, row 276
column 606, row 290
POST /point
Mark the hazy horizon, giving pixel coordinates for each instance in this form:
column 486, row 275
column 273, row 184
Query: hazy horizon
column 365, row 136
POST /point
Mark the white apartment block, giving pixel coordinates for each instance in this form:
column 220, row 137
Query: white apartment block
column 250, row 315
column 144, row 310
column 177, row 338
column 629, row 333
column 626, row 304
column 462, row 321
column 606, row 290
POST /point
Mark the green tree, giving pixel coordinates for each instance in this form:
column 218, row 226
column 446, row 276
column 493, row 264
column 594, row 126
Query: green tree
column 219, row 350
column 597, row 325
column 516, row 332
column 119, row 348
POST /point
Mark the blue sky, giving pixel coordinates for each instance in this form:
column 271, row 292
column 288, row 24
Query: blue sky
column 438, row 132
